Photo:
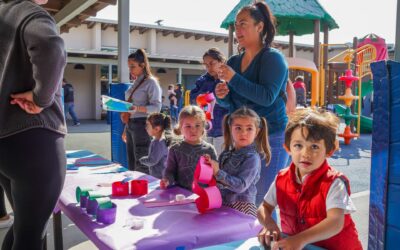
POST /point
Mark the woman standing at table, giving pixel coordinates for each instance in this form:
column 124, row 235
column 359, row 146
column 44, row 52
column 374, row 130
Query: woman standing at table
column 145, row 95
column 256, row 78
column 32, row 125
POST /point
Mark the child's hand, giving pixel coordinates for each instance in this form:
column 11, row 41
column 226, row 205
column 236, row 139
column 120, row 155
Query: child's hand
column 269, row 234
column 292, row 243
column 164, row 183
column 214, row 164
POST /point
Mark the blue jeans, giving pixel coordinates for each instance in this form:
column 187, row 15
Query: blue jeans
column 279, row 159
column 180, row 104
column 174, row 113
column 69, row 108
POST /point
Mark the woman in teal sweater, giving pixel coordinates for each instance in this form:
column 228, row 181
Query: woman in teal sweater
column 257, row 78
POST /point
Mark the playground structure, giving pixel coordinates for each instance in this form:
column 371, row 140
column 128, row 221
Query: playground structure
column 325, row 88
column 359, row 59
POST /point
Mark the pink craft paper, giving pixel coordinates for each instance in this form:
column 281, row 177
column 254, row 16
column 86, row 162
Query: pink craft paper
column 167, row 203
column 214, row 197
column 209, row 197
column 203, row 172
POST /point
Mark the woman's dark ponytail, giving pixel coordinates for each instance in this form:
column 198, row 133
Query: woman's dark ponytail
column 269, row 30
column 260, row 12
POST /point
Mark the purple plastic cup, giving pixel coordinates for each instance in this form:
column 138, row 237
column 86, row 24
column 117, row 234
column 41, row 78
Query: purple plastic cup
column 107, row 215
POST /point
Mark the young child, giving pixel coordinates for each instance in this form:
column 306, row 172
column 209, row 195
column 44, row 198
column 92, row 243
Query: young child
column 313, row 198
column 157, row 126
column 173, row 102
column 184, row 155
column 172, row 95
column 239, row 167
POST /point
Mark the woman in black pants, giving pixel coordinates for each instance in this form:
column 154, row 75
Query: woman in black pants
column 145, row 95
column 32, row 126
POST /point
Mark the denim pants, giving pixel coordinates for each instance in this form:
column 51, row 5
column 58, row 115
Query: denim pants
column 279, row 159
column 69, row 108
column 174, row 113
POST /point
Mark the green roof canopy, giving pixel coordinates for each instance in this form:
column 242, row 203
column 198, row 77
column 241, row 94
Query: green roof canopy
column 295, row 16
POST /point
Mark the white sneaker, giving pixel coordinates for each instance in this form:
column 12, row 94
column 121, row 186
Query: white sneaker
column 7, row 223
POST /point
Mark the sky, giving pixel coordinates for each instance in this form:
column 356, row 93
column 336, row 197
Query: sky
column 354, row 17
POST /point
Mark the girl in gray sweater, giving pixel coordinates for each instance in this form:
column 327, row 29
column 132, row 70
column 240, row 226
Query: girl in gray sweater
column 184, row 155
column 158, row 126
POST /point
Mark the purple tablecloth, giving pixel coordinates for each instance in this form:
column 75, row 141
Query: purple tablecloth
column 164, row 227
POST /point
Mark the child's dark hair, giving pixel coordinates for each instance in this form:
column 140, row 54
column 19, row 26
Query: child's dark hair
column 319, row 125
column 261, row 139
column 190, row 111
column 140, row 57
column 215, row 54
column 260, row 12
column 164, row 122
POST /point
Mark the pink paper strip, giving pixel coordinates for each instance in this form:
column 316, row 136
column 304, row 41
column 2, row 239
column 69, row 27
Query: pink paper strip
column 167, row 203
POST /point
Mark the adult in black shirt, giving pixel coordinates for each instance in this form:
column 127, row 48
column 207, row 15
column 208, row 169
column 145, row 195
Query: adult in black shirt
column 69, row 106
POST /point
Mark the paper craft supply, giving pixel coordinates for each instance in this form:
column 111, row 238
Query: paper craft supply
column 120, row 188
column 92, row 161
column 106, row 215
column 92, row 204
column 137, row 224
column 134, row 223
column 116, row 105
column 127, row 179
column 210, row 196
column 103, row 202
column 139, row 187
column 150, row 204
column 129, row 174
column 81, row 191
column 84, row 201
column 179, row 197
column 91, row 207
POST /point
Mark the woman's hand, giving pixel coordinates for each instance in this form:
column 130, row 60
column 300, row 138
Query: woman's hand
column 25, row 102
column 225, row 73
column 123, row 136
column 221, row 90
column 214, row 164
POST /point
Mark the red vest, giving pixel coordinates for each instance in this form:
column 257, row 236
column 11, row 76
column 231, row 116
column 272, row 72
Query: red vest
column 304, row 205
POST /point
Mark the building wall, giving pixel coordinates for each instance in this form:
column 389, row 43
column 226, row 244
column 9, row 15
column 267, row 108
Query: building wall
column 180, row 46
column 138, row 41
column 83, row 83
column 109, row 37
column 71, row 38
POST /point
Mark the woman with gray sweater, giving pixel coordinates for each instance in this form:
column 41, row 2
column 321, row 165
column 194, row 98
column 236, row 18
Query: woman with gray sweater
column 145, row 95
column 32, row 126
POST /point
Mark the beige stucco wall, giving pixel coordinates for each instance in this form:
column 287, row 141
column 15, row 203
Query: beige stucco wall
column 180, row 46
column 83, row 83
column 79, row 38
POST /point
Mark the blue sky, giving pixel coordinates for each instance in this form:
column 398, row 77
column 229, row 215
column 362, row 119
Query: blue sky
column 354, row 17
